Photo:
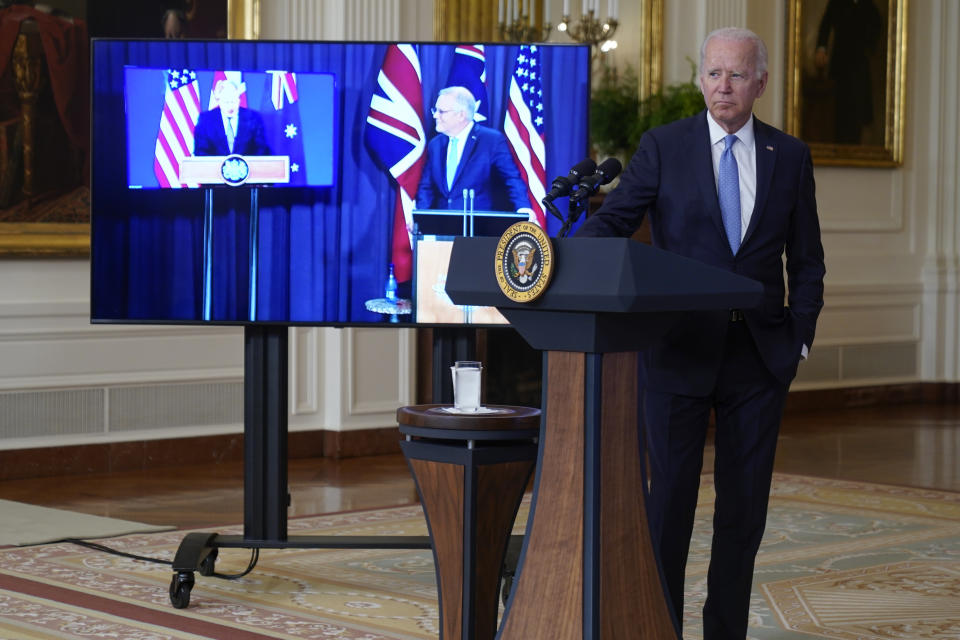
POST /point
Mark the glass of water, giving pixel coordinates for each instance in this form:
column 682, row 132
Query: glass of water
column 466, row 385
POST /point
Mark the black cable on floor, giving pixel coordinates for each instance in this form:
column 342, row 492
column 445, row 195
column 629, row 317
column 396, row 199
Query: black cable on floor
column 254, row 557
column 100, row 547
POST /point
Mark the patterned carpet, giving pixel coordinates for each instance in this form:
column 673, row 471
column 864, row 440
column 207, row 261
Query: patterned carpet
column 840, row 560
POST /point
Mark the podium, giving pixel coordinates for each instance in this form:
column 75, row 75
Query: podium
column 232, row 170
column 464, row 222
column 587, row 569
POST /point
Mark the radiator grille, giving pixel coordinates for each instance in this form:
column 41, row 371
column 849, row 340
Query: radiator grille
column 175, row 405
column 28, row 414
column 65, row 412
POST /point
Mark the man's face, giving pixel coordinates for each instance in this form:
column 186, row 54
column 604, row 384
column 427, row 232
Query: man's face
column 449, row 116
column 729, row 81
column 229, row 99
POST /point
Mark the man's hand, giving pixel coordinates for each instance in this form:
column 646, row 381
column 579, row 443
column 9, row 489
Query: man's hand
column 531, row 215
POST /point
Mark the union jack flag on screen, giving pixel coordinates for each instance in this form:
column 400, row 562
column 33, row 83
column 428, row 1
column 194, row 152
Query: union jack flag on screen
column 469, row 70
column 283, row 88
column 523, row 126
column 395, row 135
column 181, row 108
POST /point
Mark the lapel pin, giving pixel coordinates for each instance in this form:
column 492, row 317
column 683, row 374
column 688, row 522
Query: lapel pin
column 769, row 148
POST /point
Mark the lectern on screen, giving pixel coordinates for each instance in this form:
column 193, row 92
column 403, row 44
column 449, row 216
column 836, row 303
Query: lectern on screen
column 300, row 221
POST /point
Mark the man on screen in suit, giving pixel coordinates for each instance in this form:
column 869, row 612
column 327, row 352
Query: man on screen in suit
column 468, row 156
column 229, row 128
column 739, row 210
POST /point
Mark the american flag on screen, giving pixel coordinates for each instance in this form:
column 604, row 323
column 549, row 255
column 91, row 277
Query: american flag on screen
column 523, row 126
column 181, row 108
column 395, row 136
column 469, row 70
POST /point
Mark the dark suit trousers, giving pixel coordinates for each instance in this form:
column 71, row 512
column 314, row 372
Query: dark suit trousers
column 748, row 403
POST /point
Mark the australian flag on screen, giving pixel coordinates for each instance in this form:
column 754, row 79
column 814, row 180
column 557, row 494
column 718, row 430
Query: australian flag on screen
column 281, row 119
column 469, row 70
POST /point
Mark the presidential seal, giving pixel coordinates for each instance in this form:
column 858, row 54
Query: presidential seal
column 234, row 170
column 524, row 262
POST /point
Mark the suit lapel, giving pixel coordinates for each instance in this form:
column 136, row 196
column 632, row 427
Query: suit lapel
column 440, row 165
column 468, row 146
column 766, row 161
column 239, row 138
column 221, row 132
column 702, row 158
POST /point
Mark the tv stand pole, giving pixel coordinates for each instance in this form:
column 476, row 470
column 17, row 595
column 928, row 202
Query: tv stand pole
column 207, row 253
column 265, row 493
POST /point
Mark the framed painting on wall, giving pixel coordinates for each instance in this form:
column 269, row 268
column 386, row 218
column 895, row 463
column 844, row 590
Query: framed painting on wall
column 44, row 108
column 846, row 62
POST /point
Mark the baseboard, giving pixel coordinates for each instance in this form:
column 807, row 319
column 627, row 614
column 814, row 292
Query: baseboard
column 365, row 442
column 854, row 397
column 164, row 454
column 115, row 457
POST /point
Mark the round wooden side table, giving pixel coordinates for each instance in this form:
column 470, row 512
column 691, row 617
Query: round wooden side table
column 471, row 470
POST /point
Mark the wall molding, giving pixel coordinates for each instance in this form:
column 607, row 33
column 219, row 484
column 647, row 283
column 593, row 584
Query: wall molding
column 147, row 455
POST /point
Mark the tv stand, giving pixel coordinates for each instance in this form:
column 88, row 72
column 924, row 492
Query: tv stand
column 265, row 494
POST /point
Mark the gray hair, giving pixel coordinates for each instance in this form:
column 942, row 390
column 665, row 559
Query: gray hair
column 464, row 98
column 738, row 34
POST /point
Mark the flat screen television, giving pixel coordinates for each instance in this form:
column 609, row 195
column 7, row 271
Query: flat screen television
column 237, row 182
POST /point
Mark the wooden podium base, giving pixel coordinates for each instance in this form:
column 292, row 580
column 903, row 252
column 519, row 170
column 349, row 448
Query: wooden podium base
column 587, row 570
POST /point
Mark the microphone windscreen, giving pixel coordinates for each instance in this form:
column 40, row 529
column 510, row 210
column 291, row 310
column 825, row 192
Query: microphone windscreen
column 609, row 169
column 583, row 168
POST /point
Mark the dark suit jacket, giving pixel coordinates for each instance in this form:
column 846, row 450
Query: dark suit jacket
column 486, row 166
column 671, row 177
column 209, row 138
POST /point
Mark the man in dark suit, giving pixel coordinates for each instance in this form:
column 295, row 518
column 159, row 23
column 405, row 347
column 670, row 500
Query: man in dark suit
column 738, row 202
column 468, row 156
column 856, row 27
column 229, row 128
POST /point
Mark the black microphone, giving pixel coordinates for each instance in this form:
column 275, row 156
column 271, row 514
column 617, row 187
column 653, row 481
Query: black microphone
column 562, row 186
column 607, row 171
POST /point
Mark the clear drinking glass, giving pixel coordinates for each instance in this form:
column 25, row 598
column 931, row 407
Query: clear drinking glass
column 466, row 384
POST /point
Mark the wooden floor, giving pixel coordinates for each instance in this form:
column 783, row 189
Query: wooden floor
column 915, row 445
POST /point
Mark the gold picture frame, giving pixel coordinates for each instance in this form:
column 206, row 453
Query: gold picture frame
column 44, row 205
column 55, row 223
column 845, row 96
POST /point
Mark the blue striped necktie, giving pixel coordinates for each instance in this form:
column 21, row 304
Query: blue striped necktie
column 728, row 187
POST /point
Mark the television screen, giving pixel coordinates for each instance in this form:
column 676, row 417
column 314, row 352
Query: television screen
column 296, row 182
column 171, row 133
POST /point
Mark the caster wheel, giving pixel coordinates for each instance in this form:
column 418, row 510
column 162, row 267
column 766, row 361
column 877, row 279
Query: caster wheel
column 208, row 562
column 506, row 585
column 180, row 586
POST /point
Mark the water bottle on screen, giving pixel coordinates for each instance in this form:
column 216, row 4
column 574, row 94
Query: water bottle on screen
column 390, row 292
